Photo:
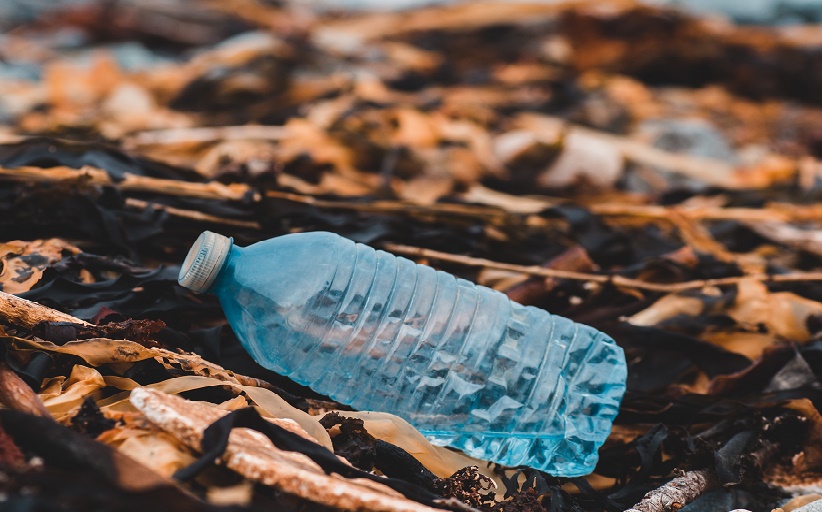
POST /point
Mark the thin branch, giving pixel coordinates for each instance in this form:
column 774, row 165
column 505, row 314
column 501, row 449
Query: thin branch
column 205, row 134
column 621, row 281
column 678, row 492
column 24, row 313
column 239, row 192
column 489, row 213
column 192, row 214
column 16, row 394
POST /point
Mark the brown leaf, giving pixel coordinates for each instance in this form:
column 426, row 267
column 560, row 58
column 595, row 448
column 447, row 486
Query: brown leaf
column 255, row 457
column 22, row 263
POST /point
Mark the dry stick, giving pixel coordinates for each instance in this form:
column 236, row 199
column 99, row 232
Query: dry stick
column 93, row 176
column 696, row 236
column 458, row 16
column 598, row 278
column 691, row 484
column 192, row 214
column 678, row 492
column 206, row 134
column 24, row 313
column 774, row 211
column 239, row 192
column 16, row 394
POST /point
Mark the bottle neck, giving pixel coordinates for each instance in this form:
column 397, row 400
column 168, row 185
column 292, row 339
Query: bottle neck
column 225, row 274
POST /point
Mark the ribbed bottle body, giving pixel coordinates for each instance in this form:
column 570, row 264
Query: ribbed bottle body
column 462, row 363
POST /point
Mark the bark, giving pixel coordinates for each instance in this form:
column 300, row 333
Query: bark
column 24, row 313
column 16, row 394
column 678, row 492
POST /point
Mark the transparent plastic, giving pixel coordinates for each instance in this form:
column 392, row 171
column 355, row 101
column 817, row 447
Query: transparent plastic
column 462, row 363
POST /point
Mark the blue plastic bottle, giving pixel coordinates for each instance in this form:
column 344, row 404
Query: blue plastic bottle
column 462, row 363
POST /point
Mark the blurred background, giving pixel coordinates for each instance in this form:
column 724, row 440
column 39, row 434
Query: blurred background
column 778, row 12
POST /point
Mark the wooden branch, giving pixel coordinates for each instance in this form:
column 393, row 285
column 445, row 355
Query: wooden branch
column 678, row 492
column 373, row 26
column 530, row 289
column 206, row 134
column 16, row 394
column 24, row 313
column 237, row 192
column 692, row 484
column 697, row 237
column 191, row 214
column 616, row 280
column 131, row 182
column 496, row 214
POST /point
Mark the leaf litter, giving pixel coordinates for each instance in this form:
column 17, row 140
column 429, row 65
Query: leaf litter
column 647, row 172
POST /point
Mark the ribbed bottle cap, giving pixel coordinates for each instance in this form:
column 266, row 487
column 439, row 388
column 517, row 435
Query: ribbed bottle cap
column 204, row 261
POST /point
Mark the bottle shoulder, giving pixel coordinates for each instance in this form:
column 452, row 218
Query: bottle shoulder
column 287, row 269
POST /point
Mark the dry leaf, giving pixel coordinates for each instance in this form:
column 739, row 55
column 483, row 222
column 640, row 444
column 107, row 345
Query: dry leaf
column 667, row 307
column 441, row 461
column 783, row 314
column 255, row 457
column 22, row 263
column 155, row 449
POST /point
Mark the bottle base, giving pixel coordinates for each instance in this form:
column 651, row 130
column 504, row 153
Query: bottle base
column 555, row 455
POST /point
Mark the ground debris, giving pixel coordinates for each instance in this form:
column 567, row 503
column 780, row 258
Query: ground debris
column 90, row 420
column 252, row 455
column 650, row 172
column 526, row 501
column 467, row 485
column 142, row 331
column 352, row 441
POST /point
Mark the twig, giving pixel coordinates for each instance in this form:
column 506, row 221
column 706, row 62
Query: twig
column 493, row 214
column 93, row 176
column 207, row 134
column 191, row 214
column 529, row 289
column 373, row 26
column 621, row 281
column 678, row 492
column 696, row 236
column 16, row 394
column 24, row 313
column 239, row 192
column 692, row 484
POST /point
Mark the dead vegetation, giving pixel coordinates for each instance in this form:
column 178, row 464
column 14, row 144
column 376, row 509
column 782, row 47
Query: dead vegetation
column 649, row 173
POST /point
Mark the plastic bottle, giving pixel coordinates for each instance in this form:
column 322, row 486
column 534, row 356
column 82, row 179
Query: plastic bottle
column 462, row 363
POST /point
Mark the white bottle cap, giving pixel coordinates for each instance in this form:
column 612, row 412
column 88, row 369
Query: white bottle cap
column 204, row 261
